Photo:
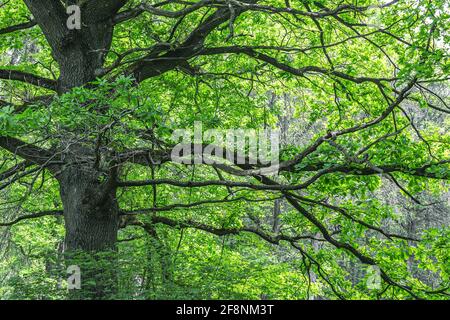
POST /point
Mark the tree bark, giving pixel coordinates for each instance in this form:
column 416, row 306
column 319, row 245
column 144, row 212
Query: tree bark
column 91, row 216
column 91, row 211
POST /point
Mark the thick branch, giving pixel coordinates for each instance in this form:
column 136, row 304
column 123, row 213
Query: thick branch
column 28, row 78
column 26, row 151
column 51, row 17
column 153, row 64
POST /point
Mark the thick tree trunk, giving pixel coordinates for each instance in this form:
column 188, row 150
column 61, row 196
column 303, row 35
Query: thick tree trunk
column 91, row 223
column 91, row 211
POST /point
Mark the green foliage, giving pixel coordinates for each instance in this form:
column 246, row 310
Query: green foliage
column 163, row 261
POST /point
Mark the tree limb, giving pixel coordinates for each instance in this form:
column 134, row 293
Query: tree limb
column 31, row 216
column 28, row 78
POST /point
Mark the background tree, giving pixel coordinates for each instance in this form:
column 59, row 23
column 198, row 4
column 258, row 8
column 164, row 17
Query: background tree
column 87, row 116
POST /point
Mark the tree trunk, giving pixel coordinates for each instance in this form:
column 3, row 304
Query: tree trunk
column 91, row 224
column 91, row 212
